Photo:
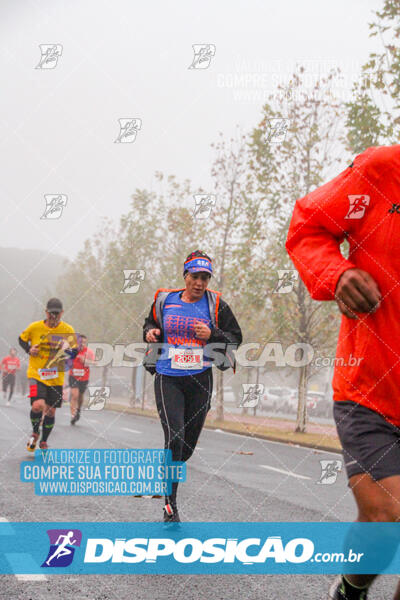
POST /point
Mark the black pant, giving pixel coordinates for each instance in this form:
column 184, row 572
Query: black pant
column 182, row 403
column 8, row 381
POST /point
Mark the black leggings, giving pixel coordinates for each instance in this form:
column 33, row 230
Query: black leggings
column 8, row 381
column 182, row 403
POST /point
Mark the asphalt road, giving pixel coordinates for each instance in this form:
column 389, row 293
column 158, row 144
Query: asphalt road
column 269, row 482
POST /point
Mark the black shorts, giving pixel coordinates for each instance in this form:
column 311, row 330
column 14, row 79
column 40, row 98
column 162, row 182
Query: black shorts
column 51, row 394
column 370, row 443
column 75, row 383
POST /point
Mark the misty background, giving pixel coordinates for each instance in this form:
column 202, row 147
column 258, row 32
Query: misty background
column 129, row 60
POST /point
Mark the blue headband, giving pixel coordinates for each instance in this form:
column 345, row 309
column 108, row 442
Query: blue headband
column 194, row 265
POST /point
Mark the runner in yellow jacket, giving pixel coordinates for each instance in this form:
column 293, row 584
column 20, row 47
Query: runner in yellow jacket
column 49, row 343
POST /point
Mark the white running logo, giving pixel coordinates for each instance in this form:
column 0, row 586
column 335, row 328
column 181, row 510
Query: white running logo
column 62, row 550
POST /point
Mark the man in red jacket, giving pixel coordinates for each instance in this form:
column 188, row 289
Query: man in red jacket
column 9, row 367
column 361, row 205
column 79, row 377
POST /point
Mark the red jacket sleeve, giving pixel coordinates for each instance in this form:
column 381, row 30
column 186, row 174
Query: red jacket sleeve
column 322, row 220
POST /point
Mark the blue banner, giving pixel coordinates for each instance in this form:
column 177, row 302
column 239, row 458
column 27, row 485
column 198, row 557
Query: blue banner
column 199, row 548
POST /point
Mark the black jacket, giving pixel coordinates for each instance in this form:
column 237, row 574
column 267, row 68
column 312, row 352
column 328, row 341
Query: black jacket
column 225, row 337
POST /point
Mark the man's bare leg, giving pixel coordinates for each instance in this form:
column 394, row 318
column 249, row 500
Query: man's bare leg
column 80, row 400
column 377, row 501
column 74, row 401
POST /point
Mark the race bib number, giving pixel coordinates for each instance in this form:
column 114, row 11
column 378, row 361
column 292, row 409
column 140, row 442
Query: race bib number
column 45, row 374
column 186, row 358
column 78, row 372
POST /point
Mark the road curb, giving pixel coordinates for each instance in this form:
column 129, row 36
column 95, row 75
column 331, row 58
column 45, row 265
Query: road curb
column 277, row 438
column 272, row 438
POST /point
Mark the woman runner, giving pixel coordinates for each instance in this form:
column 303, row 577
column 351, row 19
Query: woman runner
column 195, row 328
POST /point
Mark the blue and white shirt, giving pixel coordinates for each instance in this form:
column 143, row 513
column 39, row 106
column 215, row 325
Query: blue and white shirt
column 178, row 324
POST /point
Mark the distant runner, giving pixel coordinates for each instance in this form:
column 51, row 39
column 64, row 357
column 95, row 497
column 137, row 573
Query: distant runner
column 9, row 367
column 79, row 378
column 49, row 343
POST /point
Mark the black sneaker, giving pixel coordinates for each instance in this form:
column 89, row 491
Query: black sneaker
column 171, row 514
column 338, row 592
column 75, row 418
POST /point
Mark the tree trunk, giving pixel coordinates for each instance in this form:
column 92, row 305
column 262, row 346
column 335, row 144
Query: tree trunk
column 104, row 375
column 303, row 377
column 245, row 410
column 302, row 405
column 132, row 400
column 220, row 396
column 257, row 382
column 144, row 388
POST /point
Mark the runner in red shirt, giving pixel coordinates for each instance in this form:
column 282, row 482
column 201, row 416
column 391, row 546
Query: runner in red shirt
column 9, row 367
column 79, row 378
column 361, row 205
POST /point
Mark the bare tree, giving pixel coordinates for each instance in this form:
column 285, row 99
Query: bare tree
column 284, row 171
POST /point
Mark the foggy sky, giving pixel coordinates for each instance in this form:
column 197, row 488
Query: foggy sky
column 126, row 59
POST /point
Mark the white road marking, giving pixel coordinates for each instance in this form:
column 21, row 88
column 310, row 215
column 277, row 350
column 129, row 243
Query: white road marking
column 130, row 430
column 284, row 472
column 37, row 577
